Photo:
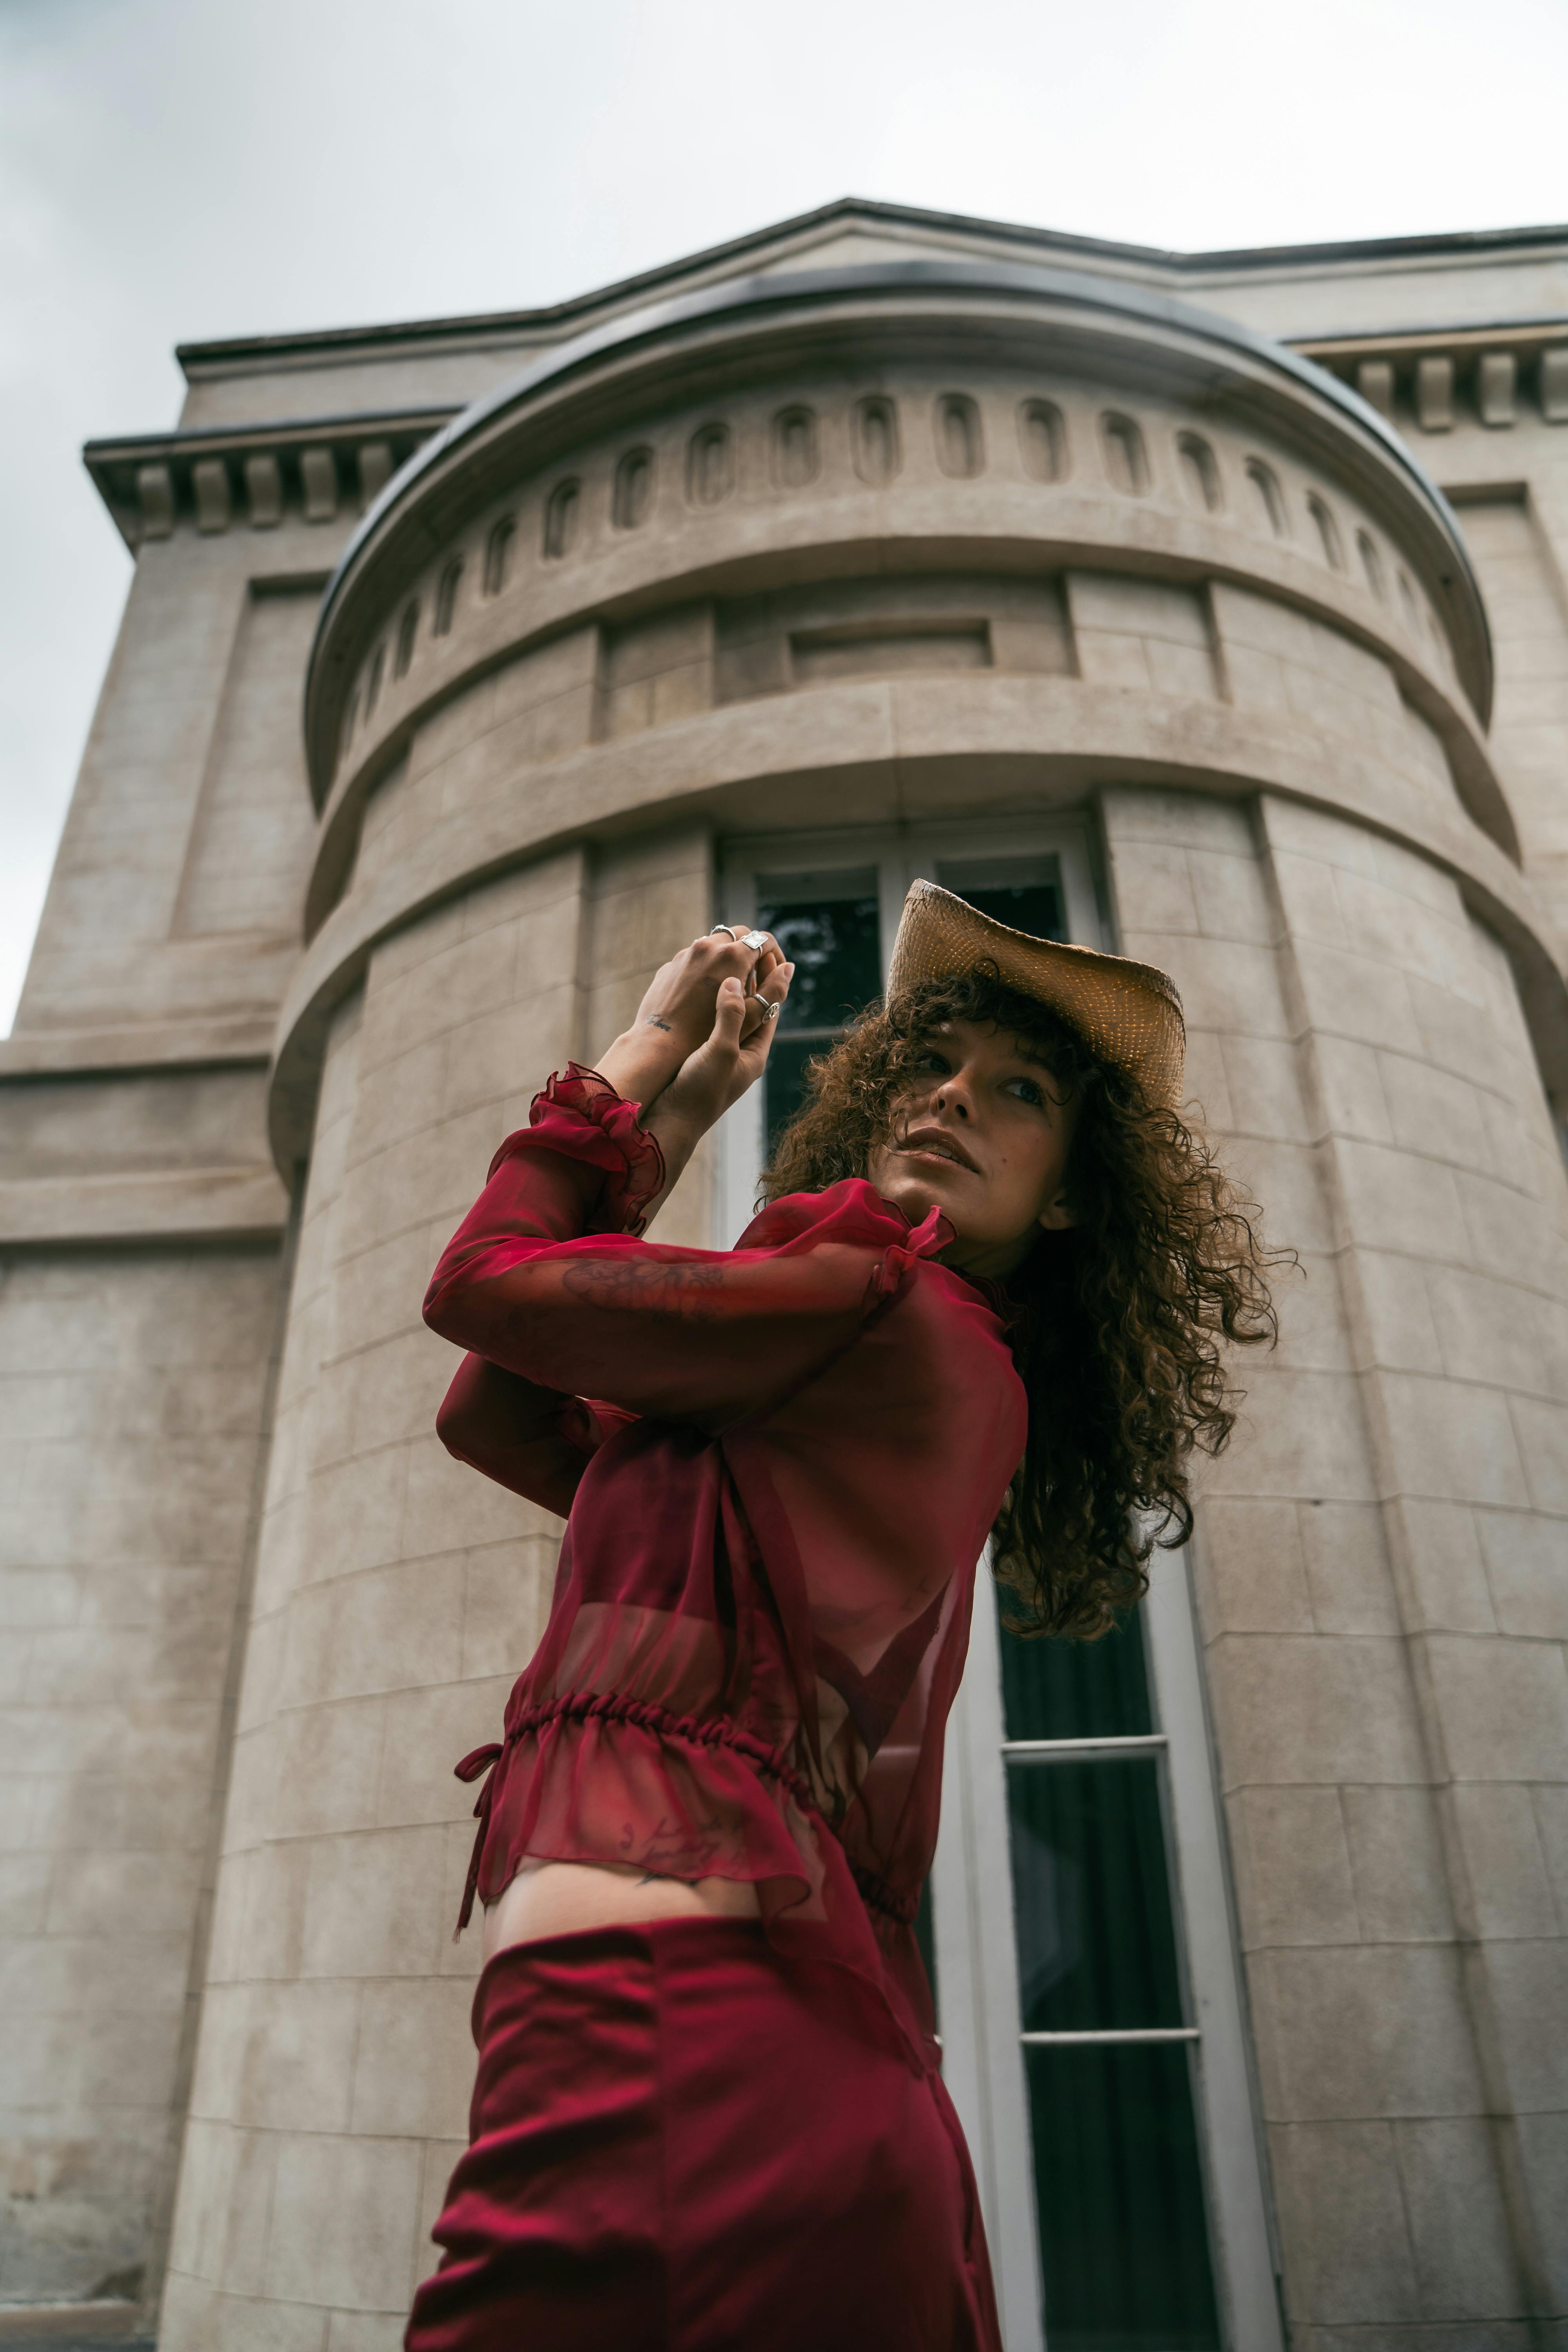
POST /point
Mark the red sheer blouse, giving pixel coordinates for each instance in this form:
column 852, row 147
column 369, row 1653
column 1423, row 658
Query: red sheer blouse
column 778, row 1464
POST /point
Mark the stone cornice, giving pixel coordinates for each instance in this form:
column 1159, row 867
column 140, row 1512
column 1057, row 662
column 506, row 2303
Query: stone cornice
column 208, row 478
column 1431, row 378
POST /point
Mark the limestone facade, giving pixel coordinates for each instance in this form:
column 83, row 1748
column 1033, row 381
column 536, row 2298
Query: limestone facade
column 880, row 524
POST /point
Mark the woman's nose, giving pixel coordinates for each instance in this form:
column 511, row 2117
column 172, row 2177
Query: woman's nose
column 951, row 1098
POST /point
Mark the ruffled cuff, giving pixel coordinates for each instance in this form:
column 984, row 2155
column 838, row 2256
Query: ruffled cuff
column 580, row 1115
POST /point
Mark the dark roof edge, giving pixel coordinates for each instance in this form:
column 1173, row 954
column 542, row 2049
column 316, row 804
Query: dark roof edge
column 352, row 339
column 1377, row 248
column 553, row 314
column 1448, row 330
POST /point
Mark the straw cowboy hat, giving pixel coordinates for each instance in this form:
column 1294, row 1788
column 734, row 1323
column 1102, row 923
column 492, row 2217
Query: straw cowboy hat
column 1127, row 1013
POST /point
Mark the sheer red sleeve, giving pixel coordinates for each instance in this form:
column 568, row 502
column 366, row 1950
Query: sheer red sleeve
column 536, row 1440
column 544, row 1280
column 531, row 1439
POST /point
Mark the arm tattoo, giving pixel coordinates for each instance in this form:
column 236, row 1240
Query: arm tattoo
column 655, row 1285
column 653, row 1022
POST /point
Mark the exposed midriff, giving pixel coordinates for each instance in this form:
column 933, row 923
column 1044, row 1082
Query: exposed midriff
column 558, row 1898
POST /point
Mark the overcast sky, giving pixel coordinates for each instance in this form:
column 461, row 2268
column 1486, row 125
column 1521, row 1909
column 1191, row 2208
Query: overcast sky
column 172, row 170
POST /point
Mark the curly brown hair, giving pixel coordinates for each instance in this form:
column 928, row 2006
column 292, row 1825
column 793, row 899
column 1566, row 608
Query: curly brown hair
column 1119, row 1343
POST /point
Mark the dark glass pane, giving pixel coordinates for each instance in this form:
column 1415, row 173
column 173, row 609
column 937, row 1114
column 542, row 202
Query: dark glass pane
column 1026, row 893
column 1076, row 1690
column 784, row 1083
column 835, row 946
column 1096, row 1944
column 1123, row 2245
column 1032, row 907
column 832, row 936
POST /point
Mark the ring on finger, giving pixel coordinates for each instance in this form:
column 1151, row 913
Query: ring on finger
column 754, row 940
column 728, row 928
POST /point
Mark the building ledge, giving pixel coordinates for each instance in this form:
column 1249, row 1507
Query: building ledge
column 63, row 2326
column 209, row 1204
column 152, row 1045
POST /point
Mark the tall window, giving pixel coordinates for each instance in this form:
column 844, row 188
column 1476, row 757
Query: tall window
column 1107, row 2043
column 1076, row 1919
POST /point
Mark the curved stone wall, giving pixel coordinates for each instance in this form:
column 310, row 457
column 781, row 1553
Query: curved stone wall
column 945, row 544
column 1129, row 491
column 598, row 600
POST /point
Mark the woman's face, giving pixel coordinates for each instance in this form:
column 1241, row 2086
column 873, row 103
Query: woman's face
column 983, row 1135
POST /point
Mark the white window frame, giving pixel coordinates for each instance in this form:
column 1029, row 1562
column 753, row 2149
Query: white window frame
column 972, row 1877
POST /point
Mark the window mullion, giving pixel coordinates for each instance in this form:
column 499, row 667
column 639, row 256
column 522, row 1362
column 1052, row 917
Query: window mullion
column 1110, row 1743
column 1110, row 2034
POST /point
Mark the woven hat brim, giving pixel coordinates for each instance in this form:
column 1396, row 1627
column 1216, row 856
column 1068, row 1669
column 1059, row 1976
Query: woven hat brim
column 1129, row 1015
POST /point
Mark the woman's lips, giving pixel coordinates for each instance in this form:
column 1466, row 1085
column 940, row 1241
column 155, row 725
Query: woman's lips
column 934, row 1146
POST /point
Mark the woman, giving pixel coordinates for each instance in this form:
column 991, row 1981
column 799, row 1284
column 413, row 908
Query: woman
column 986, row 1299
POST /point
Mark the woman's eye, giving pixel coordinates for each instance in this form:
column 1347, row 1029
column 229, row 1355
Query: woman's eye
column 1027, row 1090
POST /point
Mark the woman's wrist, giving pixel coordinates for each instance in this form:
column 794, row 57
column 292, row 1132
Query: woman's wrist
column 677, row 1138
column 640, row 1063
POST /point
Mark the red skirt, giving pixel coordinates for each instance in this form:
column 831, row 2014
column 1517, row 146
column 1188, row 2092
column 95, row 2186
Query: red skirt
column 681, row 2143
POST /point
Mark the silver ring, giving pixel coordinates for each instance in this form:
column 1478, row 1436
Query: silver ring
column 773, row 1013
column 754, row 940
column 727, row 930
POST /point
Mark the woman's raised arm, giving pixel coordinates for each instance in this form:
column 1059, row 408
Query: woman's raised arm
column 543, row 1277
column 532, row 1282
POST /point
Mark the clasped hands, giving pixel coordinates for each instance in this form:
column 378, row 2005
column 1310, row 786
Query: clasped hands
column 702, row 1037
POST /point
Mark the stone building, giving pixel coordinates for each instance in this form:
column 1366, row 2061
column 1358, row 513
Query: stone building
column 1115, row 589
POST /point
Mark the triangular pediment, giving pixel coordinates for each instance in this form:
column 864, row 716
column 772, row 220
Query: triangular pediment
column 856, row 232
